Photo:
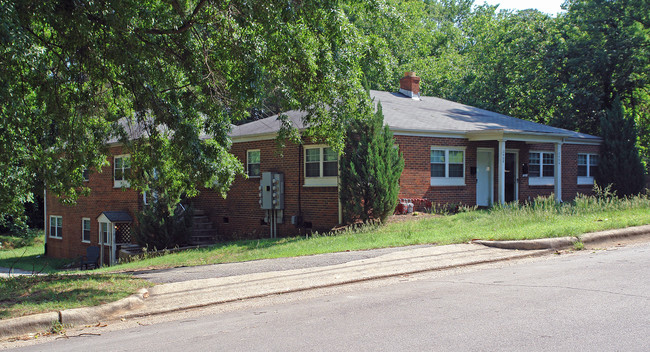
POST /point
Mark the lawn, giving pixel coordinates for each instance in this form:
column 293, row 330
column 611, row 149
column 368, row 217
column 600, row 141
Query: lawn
column 541, row 219
column 23, row 295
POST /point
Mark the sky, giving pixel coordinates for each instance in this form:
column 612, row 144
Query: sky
column 548, row 6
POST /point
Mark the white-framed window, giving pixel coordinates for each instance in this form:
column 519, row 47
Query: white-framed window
column 541, row 168
column 104, row 232
column 85, row 230
column 86, row 175
column 321, row 166
column 253, row 163
column 587, row 167
column 121, row 170
column 447, row 166
column 56, row 226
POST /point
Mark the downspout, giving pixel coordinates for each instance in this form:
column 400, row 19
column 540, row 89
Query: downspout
column 45, row 219
column 299, row 185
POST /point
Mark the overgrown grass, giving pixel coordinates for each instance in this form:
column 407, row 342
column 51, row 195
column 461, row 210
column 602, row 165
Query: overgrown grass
column 541, row 218
column 23, row 295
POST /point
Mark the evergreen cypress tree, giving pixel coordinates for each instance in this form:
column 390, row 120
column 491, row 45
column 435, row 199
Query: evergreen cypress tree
column 620, row 164
column 370, row 170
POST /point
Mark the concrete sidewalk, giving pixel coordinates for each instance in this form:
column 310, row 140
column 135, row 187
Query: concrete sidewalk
column 7, row 272
column 176, row 296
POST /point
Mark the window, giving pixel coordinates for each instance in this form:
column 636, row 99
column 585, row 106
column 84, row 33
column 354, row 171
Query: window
column 321, row 166
column 121, row 170
column 86, row 175
column 253, row 163
column 149, row 196
column 587, row 167
column 104, row 232
column 56, row 226
column 85, row 230
column 447, row 166
column 541, row 168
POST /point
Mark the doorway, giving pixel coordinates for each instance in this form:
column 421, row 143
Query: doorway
column 512, row 176
column 484, row 176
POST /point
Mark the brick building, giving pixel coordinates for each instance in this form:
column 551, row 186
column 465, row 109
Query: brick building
column 453, row 153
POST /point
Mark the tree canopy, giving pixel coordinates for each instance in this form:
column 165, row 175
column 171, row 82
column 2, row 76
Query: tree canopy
column 76, row 73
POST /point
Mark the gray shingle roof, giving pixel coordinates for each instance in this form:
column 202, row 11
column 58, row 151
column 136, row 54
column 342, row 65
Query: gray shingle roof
column 426, row 115
column 117, row 216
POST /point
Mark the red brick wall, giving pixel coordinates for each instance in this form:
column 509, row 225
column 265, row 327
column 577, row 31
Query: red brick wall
column 240, row 216
column 103, row 197
column 415, row 180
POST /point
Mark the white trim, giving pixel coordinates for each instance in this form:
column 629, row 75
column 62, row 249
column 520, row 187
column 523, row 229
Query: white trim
column 318, row 181
column 123, row 182
column 435, row 134
column 586, row 180
column 541, row 181
column 82, row 230
column 446, row 180
column 254, row 137
column 260, row 162
column 57, row 235
column 597, row 141
column 589, row 178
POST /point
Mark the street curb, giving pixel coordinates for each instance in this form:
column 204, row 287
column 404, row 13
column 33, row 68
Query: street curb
column 70, row 317
column 564, row 242
column 167, row 310
column 91, row 315
column 27, row 324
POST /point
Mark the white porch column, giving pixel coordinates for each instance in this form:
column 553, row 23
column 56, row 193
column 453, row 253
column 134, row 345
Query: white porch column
column 558, row 171
column 502, row 171
column 111, row 237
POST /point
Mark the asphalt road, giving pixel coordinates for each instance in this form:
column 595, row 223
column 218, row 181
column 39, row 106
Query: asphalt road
column 586, row 301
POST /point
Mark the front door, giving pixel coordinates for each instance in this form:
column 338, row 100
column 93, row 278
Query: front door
column 512, row 177
column 484, row 176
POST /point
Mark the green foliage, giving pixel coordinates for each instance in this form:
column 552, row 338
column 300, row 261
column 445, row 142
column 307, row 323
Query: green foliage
column 370, row 170
column 619, row 164
column 175, row 73
column 161, row 228
column 22, row 239
column 564, row 71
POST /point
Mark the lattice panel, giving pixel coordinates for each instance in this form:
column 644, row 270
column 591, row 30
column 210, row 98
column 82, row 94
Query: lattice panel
column 123, row 232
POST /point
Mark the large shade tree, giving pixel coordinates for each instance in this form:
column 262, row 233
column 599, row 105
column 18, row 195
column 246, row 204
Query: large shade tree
column 75, row 74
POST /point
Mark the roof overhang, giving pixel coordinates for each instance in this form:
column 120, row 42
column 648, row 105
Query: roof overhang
column 503, row 135
column 114, row 216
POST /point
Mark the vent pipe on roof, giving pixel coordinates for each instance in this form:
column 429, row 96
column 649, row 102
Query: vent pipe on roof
column 409, row 85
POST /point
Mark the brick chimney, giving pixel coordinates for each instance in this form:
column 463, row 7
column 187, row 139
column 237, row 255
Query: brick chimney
column 409, row 85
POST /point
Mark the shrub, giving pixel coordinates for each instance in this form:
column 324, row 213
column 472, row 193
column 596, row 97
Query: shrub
column 160, row 228
column 370, row 170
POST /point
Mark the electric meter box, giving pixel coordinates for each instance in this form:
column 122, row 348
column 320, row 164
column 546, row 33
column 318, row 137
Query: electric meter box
column 272, row 190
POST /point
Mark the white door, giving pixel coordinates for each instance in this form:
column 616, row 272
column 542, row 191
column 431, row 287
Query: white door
column 484, row 177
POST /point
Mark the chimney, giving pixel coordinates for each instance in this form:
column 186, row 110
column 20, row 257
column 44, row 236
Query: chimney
column 409, row 85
